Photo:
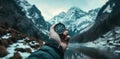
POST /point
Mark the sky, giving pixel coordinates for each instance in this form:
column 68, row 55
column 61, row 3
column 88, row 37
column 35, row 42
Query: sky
column 50, row 8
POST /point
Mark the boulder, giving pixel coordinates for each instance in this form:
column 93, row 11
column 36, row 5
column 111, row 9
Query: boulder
column 3, row 51
column 16, row 56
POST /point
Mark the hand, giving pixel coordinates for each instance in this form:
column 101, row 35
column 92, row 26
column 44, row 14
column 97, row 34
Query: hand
column 54, row 35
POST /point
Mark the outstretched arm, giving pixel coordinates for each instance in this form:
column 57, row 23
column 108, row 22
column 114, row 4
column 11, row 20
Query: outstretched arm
column 54, row 48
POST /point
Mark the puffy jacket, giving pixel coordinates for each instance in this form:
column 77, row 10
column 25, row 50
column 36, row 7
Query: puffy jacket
column 51, row 50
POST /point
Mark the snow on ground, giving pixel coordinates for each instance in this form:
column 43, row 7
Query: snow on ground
column 6, row 36
column 19, row 44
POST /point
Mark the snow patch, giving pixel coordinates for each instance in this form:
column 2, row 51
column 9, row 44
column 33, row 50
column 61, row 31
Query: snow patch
column 33, row 43
column 19, row 44
column 6, row 36
column 24, row 55
column 108, row 9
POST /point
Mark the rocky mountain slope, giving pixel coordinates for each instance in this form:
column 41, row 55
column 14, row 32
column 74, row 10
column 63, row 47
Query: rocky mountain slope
column 33, row 13
column 14, row 14
column 20, row 34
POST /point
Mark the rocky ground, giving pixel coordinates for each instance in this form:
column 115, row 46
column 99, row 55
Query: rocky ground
column 16, row 45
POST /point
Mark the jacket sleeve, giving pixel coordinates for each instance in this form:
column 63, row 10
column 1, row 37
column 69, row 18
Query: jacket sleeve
column 51, row 50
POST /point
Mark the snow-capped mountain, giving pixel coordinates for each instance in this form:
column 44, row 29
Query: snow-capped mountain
column 33, row 13
column 22, row 16
column 20, row 34
column 107, row 44
column 75, row 19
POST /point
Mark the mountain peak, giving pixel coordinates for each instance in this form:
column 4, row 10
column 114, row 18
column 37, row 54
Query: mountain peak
column 75, row 9
column 62, row 13
column 76, row 12
column 75, row 19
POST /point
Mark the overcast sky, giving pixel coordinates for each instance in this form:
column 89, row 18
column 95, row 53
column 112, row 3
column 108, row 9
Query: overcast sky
column 50, row 8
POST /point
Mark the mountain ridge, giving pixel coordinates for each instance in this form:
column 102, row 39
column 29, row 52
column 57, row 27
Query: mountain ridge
column 74, row 18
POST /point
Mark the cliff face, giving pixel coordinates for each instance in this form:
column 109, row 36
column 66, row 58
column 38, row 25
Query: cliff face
column 33, row 13
column 13, row 16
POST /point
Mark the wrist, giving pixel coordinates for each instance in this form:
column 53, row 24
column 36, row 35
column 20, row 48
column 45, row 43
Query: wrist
column 54, row 42
column 63, row 45
column 58, row 44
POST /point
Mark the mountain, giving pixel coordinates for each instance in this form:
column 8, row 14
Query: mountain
column 102, row 39
column 22, row 16
column 75, row 19
column 33, row 13
column 22, row 29
column 99, row 32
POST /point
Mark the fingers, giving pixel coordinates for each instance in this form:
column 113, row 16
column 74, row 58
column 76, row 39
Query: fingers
column 66, row 32
column 67, row 38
